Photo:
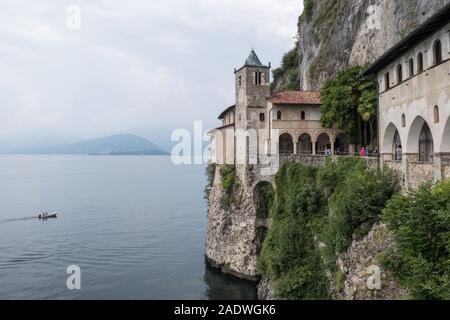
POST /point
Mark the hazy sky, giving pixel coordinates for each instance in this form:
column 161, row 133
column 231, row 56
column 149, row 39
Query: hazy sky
column 137, row 66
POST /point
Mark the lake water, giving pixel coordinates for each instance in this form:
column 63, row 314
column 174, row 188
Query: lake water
column 135, row 226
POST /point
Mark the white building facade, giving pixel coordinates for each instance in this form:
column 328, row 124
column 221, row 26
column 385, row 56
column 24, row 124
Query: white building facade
column 414, row 103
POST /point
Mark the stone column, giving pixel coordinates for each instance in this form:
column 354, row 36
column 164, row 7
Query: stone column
column 332, row 146
column 438, row 165
column 295, row 148
column 407, row 160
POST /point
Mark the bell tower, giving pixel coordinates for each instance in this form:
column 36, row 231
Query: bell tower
column 252, row 91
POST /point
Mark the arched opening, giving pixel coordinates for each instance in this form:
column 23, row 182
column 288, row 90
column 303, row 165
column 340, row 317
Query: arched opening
column 286, row 144
column 426, row 146
column 262, row 117
column 264, row 195
column 279, row 115
column 411, row 67
column 420, row 62
column 397, row 148
column 304, row 145
column 437, row 52
column 323, row 143
column 341, row 145
column 445, row 144
column 436, row 114
column 260, row 236
column 392, row 144
column 303, row 115
column 399, row 73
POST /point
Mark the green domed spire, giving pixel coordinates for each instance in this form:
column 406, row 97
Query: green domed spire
column 253, row 60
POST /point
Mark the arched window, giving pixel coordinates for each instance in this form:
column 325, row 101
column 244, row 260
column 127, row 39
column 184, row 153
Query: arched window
column 258, row 78
column 397, row 150
column 262, row 117
column 286, row 144
column 323, row 143
column 436, row 114
column 403, row 120
column 399, row 74
column 437, row 51
column 426, row 147
column 240, row 80
column 304, row 144
column 387, row 81
column 279, row 115
column 420, row 62
column 411, row 67
column 303, row 115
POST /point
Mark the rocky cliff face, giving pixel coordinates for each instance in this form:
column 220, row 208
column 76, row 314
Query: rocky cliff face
column 356, row 265
column 336, row 34
column 233, row 243
column 355, row 269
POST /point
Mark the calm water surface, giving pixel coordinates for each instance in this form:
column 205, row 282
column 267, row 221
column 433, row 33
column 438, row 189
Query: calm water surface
column 134, row 225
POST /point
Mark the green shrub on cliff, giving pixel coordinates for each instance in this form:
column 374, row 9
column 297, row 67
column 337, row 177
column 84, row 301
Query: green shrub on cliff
column 421, row 223
column 356, row 196
column 308, row 10
column 287, row 76
column 229, row 182
column 210, row 173
column 332, row 205
column 289, row 255
column 334, row 173
column 357, row 204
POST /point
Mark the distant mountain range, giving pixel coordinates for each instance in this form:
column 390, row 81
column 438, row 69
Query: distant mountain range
column 121, row 144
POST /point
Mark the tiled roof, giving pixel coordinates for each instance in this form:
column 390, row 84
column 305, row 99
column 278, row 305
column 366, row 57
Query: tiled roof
column 296, row 97
column 222, row 115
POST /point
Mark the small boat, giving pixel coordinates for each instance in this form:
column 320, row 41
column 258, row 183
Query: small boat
column 47, row 216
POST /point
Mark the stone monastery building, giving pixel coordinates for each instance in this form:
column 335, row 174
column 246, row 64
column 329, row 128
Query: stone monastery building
column 262, row 125
column 413, row 115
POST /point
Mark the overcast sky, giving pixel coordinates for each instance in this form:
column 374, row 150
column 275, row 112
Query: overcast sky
column 136, row 66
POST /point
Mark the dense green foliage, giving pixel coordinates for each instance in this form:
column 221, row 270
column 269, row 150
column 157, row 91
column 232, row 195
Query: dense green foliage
column 287, row 76
column 357, row 204
column 229, row 183
column 421, row 223
column 349, row 102
column 289, row 255
column 333, row 205
column 267, row 194
column 210, row 173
